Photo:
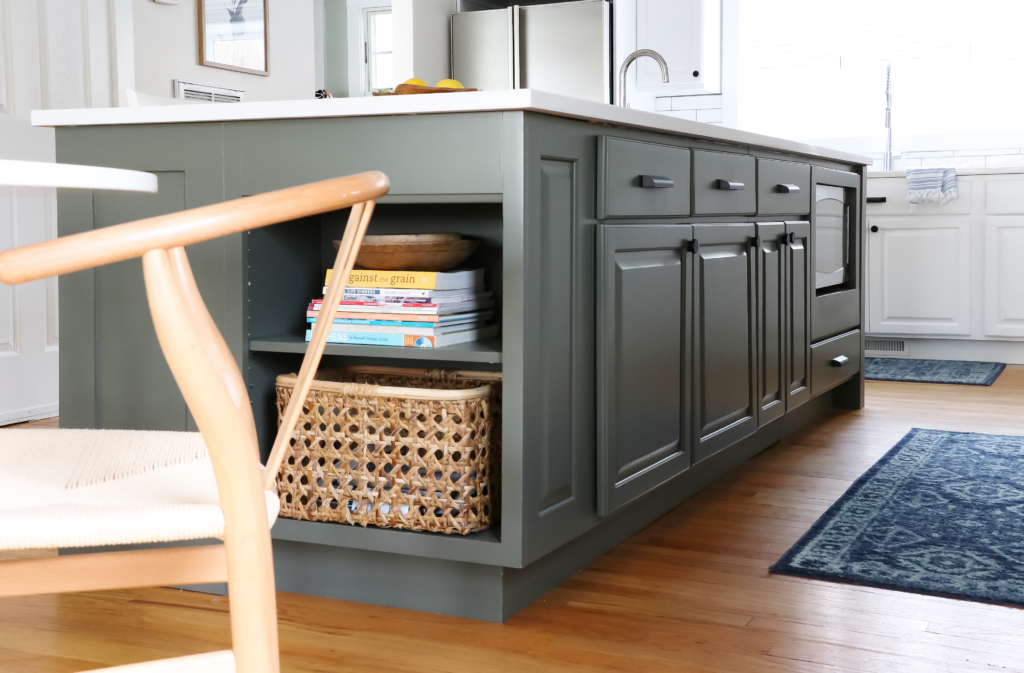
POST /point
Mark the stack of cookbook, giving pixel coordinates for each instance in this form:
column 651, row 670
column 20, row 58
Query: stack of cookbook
column 421, row 309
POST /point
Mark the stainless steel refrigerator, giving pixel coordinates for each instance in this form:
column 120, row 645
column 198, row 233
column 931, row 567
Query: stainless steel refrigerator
column 562, row 48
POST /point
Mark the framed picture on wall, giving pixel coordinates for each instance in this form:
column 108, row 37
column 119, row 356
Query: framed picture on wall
column 233, row 35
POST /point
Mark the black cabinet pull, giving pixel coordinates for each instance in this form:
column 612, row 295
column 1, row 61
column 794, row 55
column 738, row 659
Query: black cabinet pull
column 839, row 361
column 876, row 199
column 758, row 241
column 725, row 184
column 695, row 247
column 785, row 188
column 874, row 228
column 656, row 182
column 792, row 237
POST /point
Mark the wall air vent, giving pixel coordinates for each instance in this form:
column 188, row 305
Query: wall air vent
column 885, row 346
column 207, row 92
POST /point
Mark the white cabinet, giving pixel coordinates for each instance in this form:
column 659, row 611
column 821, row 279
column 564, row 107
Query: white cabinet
column 920, row 275
column 688, row 35
column 948, row 272
column 1004, row 254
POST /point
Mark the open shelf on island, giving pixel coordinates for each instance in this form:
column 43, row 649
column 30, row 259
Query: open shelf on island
column 482, row 547
column 488, row 350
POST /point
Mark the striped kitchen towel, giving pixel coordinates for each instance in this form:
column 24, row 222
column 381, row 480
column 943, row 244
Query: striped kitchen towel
column 930, row 185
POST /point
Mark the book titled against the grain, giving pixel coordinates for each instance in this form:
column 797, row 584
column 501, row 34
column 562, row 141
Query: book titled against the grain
column 420, row 280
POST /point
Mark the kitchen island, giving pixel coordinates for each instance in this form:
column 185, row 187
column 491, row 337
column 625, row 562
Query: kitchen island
column 652, row 337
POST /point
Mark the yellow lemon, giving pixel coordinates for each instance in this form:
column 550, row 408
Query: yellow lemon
column 450, row 84
column 416, row 81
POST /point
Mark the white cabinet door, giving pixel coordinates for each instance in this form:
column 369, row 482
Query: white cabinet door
column 1004, row 252
column 688, row 35
column 919, row 270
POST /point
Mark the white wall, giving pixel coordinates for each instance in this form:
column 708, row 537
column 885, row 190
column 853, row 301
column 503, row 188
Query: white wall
column 336, row 47
column 422, row 39
column 167, row 48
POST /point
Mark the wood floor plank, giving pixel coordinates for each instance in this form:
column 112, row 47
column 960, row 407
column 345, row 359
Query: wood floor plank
column 690, row 593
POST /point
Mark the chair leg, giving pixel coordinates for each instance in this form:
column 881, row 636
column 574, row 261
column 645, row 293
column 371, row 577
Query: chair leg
column 252, row 600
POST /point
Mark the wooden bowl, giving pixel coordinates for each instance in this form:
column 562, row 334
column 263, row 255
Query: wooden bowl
column 413, row 255
column 406, row 238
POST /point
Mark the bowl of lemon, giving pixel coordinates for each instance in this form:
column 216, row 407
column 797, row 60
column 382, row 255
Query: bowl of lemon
column 416, row 86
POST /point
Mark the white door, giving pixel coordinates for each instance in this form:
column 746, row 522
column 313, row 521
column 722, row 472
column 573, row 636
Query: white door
column 53, row 54
column 1004, row 252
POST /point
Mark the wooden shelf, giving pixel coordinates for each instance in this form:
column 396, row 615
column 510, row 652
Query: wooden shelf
column 483, row 547
column 488, row 350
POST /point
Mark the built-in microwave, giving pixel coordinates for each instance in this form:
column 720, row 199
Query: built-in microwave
column 832, row 237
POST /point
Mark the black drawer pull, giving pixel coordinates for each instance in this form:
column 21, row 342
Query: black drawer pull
column 839, row 361
column 788, row 189
column 876, row 199
column 725, row 184
column 695, row 247
column 792, row 238
column 656, row 182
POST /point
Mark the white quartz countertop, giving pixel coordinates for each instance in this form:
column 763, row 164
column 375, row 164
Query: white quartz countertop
column 481, row 101
column 960, row 171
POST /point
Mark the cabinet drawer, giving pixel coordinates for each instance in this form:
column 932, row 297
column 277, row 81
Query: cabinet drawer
column 826, row 371
column 639, row 179
column 723, row 184
column 783, row 187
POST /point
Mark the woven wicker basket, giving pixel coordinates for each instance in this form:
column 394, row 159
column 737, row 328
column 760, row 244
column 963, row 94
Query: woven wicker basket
column 397, row 448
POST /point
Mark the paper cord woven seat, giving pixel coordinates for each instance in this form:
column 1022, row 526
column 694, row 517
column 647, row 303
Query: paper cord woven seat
column 107, row 487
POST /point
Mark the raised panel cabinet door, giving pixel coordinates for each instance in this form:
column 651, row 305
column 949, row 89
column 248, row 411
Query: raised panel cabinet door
column 1004, row 276
column 643, row 302
column 771, row 321
column 920, row 275
column 724, row 345
column 798, row 275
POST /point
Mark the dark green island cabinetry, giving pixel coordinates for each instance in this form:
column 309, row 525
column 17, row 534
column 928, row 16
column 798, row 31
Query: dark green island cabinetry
column 659, row 317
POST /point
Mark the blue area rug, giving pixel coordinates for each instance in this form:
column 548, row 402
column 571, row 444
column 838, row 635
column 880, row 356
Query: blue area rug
column 942, row 513
column 932, row 371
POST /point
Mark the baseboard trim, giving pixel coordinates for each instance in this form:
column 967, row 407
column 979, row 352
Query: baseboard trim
column 29, row 414
column 1010, row 352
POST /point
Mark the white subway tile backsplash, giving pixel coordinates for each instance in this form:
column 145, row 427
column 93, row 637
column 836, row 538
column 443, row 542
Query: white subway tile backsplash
column 710, row 116
column 662, row 104
column 1004, row 161
column 899, row 164
column 955, row 162
column 696, row 102
column 682, row 114
column 928, row 154
column 986, row 153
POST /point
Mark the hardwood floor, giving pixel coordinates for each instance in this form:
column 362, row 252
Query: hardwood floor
column 689, row 593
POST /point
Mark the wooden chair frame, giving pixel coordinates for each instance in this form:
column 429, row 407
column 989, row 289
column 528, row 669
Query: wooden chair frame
column 215, row 392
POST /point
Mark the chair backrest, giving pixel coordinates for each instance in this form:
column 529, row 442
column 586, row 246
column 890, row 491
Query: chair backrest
column 200, row 360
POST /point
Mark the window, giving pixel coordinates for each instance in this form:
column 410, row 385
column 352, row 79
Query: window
column 378, row 56
column 816, row 69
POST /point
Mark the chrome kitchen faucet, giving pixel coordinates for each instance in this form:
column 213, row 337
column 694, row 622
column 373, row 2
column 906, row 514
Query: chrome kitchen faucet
column 625, row 66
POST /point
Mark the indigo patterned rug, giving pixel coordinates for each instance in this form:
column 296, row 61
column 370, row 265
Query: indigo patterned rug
column 942, row 513
column 932, row 371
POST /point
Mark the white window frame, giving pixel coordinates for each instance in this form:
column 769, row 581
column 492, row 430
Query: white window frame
column 358, row 66
column 370, row 47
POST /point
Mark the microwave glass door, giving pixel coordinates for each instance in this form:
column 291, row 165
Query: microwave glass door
column 830, row 232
